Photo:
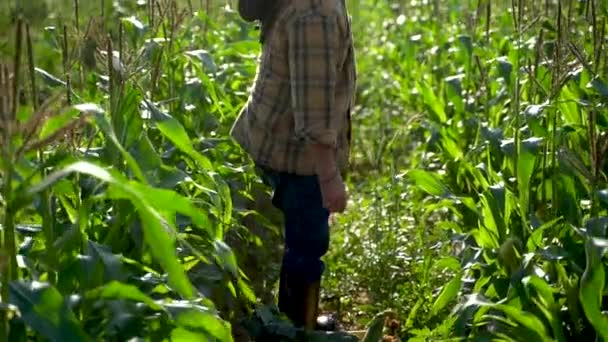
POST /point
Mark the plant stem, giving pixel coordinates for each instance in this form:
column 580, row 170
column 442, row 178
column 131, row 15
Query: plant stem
column 554, row 94
column 110, row 75
column 592, row 116
column 16, row 71
column 9, row 231
column 9, row 225
column 31, row 65
column 207, row 15
column 8, row 246
column 77, row 15
column 47, row 215
column 488, row 20
column 9, row 273
column 190, row 7
column 151, row 20
column 66, row 67
column 172, row 20
column 77, row 19
column 515, row 106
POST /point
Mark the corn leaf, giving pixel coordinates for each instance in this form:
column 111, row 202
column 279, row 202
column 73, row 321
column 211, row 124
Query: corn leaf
column 433, row 102
column 44, row 309
column 158, row 233
column 449, row 292
column 176, row 133
column 592, row 288
column 429, row 182
column 118, row 290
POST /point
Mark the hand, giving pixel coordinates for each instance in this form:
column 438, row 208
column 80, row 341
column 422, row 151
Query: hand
column 334, row 194
column 333, row 190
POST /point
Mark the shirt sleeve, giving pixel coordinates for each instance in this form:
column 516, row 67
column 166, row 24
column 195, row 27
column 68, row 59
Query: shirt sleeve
column 312, row 40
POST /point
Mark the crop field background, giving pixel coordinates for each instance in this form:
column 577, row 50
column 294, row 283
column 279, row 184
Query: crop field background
column 479, row 196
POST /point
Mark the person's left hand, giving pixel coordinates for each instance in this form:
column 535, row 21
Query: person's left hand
column 334, row 194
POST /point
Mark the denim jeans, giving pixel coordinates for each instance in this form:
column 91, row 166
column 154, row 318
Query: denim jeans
column 306, row 223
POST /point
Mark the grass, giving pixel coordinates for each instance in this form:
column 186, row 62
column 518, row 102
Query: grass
column 478, row 177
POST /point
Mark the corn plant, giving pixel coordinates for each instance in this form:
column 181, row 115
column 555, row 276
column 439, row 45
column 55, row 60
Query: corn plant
column 110, row 207
column 519, row 137
column 478, row 174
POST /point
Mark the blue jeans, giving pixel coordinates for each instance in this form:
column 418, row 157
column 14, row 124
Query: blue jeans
column 306, row 223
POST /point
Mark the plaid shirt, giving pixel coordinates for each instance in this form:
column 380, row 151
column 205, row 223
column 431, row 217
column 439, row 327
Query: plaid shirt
column 304, row 88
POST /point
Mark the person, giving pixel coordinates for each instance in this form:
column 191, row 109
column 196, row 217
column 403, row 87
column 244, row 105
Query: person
column 296, row 126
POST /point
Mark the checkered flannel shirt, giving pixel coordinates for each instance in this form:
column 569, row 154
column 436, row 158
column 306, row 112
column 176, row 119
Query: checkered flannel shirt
column 304, row 89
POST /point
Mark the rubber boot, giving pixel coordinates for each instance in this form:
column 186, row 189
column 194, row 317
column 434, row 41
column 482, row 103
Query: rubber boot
column 311, row 305
column 323, row 322
column 293, row 300
column 300, row 303
column 312, row 319
column 284, row 301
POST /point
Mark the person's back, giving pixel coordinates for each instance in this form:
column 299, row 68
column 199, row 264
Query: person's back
column 304, row 87
column 296, row 127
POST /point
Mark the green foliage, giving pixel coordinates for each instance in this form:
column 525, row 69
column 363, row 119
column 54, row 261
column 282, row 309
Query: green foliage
column 480, row 168
column 115, row 197
column 478, row 178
